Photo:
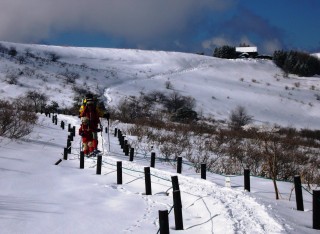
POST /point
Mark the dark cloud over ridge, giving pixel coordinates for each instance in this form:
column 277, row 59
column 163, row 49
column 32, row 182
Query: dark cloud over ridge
column 33, row 20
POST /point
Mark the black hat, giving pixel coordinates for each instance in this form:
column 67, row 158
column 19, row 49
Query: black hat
column 89, row 96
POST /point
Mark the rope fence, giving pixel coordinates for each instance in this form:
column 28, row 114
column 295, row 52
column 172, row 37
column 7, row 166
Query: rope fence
column 177, row 206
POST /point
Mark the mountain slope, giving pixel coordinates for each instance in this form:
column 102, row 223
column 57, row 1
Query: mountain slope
column 218, row 85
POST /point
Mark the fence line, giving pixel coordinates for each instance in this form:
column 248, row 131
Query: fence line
column 125, row 147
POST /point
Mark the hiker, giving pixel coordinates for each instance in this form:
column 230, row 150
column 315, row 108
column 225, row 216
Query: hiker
column 87, row 136
column 90, row 112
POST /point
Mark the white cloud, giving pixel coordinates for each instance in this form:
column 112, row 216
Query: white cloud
column 216, row 42
column 271, row 45
column 28, row 20
column 247, row 41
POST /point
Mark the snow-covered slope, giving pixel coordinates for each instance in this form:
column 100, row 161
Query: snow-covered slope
column 218, row 85
column 37, row 196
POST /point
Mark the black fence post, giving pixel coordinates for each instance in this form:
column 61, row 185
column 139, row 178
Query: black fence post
column 62, row 124
column 81, row 159
column 106, row 130
column 56, row 120
column 298, row 190
column 119, row 172
column 164, row 221
column 177, row 210
column 70, row 137
column 247, row 180
column 69, row 127
column 99, row 164
column 119, row 135
column 69, row 145
column 179, row 165
column 147, row 176
column 153, row 159
column 74, row 131
column 131, row 154
column 121, row 140
column 175, row 183
column 203, row 171
column 65, row 153
column 115, row 132
column 316, row 209
column 125, row 143
column 126, row 149
column 59, row 161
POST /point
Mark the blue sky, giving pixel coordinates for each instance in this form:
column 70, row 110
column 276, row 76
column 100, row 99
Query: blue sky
column 173, row 25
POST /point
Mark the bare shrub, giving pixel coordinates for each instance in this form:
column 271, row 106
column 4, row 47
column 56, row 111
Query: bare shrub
column 239, row 117
column 70, row 76
column 176, row 101
column 12, row 78
column 130, row 109
column 27, row 71
column 16, row 120
column 37, row 100
column 53, row 56
column 12, row 51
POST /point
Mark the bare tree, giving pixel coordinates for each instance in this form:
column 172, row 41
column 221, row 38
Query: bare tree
column 239, row 117
column 39, row 100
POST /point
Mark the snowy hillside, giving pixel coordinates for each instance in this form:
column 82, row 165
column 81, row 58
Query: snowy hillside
column 218, row 85
column 37, row 196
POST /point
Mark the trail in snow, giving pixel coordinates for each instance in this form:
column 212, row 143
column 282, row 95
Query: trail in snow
column 205, row 204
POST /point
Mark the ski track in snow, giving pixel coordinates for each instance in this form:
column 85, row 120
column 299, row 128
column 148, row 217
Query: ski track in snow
column 237, row 210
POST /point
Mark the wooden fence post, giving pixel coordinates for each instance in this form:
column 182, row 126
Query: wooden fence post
column 119, row 172
column 177, row 210
column 115, row 132
column 74, row 131
column 70, row 137
column 59, row 161
column 131, row 154
column 247, row 180
column 126, row 149
column 298, row 190
column 153, row 159
column 147, row 176
column 316, row 209
column 203, row 171
column 119, row 135
column 164, row 221
column 81, row 159
column 175, row 183
column 62, row 124
column 65, row 153
column 69, row 146
column 99, row 164
column 179, row 165
column 125, row 143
